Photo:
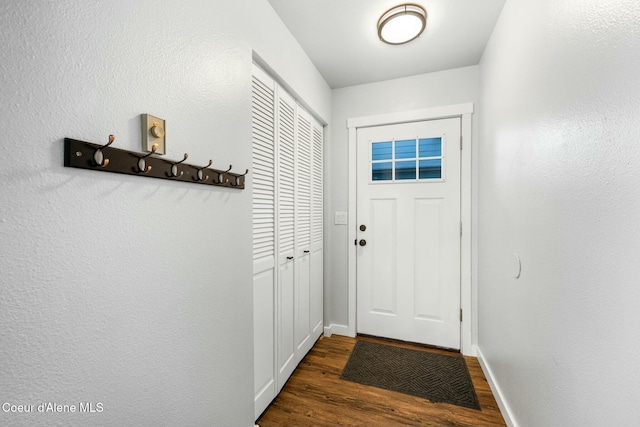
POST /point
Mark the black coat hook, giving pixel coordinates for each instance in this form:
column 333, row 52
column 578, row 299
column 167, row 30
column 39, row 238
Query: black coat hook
column 200, row 176
column 221, row 179
column 142, row 162
column 174, row 167
column 240, row 178
column 98, row 156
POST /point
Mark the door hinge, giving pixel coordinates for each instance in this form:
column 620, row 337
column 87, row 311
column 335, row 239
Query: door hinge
column 461, row 315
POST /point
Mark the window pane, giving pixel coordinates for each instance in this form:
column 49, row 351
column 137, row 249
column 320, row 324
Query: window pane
column 430, row 169
column 431, row 147
column 406, row 170
column 381, row 171
column 381, row 151
column 406, row 149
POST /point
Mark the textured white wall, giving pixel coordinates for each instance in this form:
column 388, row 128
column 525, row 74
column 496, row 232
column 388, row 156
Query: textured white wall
column 456, row 86
column 127, row 291
column 559, row 185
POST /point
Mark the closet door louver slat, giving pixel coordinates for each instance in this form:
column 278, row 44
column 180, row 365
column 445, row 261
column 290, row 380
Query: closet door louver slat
column 303, row 163
column 317, row 188
column 286, row 179
column 263, row 169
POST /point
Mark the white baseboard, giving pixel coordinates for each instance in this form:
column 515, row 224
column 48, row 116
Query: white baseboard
column 497, row 392
column 472, row 350
column 336, row 329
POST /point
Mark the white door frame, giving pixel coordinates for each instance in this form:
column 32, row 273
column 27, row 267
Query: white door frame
column 467, row 288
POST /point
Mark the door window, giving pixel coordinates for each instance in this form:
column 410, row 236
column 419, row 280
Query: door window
column 418, row 159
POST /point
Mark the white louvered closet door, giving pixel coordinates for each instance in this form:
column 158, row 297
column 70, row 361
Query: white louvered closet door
column 287, row 235
column 303, row 233
column 264, row 260
column 285, row 179
column 317, row 220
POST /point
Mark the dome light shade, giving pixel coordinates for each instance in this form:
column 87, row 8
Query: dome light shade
column 402, row 23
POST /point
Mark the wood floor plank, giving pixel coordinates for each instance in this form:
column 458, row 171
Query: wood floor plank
column 316, row 396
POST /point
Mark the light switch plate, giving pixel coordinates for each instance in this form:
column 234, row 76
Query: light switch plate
column 153, row 133
column 340, row 218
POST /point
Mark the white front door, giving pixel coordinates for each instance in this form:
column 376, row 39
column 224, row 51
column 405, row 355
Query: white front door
column 408, row 219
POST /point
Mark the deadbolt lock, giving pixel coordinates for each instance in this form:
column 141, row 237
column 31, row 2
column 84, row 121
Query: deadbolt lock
column 363, row 227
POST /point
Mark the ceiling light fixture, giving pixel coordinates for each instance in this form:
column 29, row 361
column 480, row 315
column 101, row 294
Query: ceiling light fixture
column 402, row 23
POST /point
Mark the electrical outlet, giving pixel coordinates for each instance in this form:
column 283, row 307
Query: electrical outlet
column 153, row 133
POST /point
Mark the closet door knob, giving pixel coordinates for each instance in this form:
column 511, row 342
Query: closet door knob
column 362, row 242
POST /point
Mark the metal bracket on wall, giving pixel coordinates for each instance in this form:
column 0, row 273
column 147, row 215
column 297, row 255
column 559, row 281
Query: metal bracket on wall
column 105, row 158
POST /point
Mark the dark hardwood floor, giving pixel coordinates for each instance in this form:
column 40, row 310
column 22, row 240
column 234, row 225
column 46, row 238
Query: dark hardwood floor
column 316, row 396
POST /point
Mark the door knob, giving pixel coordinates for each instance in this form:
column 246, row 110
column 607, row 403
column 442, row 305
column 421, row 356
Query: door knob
column 362, row 242
column 363, row 227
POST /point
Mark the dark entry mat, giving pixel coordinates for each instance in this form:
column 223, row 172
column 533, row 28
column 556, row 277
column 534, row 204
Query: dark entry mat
column 437, row 377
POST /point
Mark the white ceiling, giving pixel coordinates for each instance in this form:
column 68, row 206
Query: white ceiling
column 340, row 37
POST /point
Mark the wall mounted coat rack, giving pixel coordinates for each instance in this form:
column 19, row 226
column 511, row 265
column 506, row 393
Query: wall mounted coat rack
column 105, row 158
